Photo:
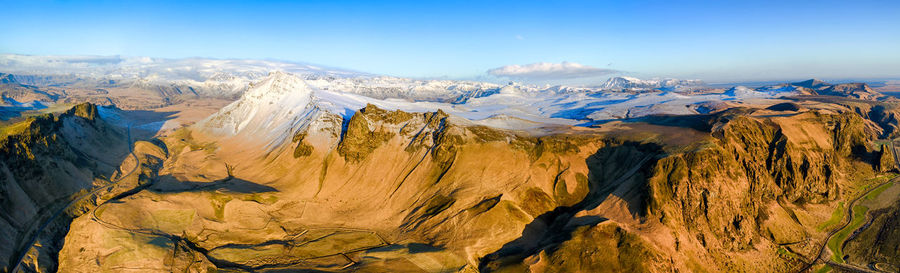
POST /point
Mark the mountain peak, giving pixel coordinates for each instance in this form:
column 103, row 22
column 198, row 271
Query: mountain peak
column 811, row 83
column 625, row 82
column 278, row 82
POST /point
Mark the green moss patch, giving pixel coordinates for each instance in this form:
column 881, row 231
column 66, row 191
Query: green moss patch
column 835, row 219
column 836, row 242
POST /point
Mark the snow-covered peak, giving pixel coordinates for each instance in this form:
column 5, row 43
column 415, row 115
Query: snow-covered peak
column 624, row 82
column 206, row 77
column 782, row 88
column 120, row 67
column 268, row 110
column 741, row 91
column 281, row 104
column 277, row 83
column 629, row 79
column 510, row 90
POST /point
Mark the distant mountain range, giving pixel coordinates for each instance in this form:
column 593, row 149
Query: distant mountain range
column 626, row 83
column 287, row 167
column 50, row 78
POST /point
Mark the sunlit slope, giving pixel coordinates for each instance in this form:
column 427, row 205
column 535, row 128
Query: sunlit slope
column 427, row 191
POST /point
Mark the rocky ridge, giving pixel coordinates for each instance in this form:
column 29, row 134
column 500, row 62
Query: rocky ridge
column 287, row 179
column 47, row 161
column 534, row 201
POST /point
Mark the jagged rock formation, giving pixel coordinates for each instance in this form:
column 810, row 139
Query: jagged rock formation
column 886, row 160
column 720, row 190
column 293, row 177
column 361, row 138
column 883, row 114
column 480, row 198
column 381, row 161
column 719, row 196
column 48, row 161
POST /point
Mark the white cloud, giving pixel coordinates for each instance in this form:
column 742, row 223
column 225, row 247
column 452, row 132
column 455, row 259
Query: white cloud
column 520, row 37
column 550, row 71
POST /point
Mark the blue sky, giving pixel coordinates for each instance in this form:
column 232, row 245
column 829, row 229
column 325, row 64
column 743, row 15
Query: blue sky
column 711, row 40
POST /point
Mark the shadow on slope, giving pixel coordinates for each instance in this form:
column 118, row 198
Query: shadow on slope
column 144, row 123
column 46, row 167
column 608, row 176
column 168, row 184
column 699, row 122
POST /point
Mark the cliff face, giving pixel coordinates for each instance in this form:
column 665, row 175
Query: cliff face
column 47, row 161
column 720, row 199
column 723, row 188
column 364, row 134
column 884, row 115
column 388, row 185
column 886, row 160
column 395, row 191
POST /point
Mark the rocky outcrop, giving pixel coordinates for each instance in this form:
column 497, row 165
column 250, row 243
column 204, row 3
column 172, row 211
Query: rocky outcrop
column 721, row 189
column 303, row 148
column 883, row 115
column 391, row 190
column 45, row 165
column 886, row 161
column 86, row 111
column 364, row 132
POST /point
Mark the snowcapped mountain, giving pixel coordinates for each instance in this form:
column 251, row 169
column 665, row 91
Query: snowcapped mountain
column 223, row 78
column 206, row 77
column 384, row 87
column 273, row 109
column 630, row 83
column 296, row 93
column 275, row 104
column 119, row 67
column 230, row 78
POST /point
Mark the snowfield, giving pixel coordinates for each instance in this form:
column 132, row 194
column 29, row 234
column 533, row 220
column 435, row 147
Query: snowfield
column 295, row 93
column 284, row 103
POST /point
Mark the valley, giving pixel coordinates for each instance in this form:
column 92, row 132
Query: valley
column 450, row 136
column 315, row 174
